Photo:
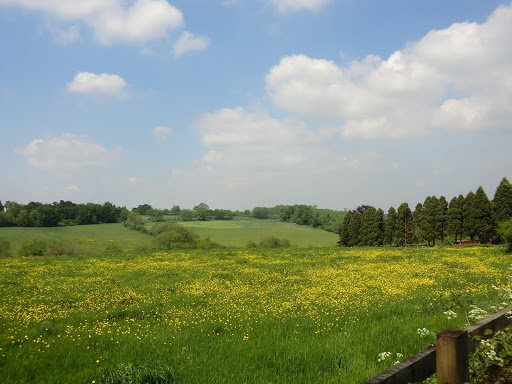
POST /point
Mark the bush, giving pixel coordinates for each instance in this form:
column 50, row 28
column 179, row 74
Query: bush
column 207, row 243
column 175, row 236
column 33, row 248
column 269, row 242
column 59, row 248
column 505, row 232
column 135, row 221
column 4, row 247
column 113, row 249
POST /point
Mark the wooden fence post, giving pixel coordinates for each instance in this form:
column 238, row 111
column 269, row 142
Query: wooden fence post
column 452, row 356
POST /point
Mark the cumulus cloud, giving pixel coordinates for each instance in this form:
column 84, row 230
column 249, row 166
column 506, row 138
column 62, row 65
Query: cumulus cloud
column 456, row 78
column 90, row 83
column 112, row 20
column 188, row 42
column 296, row 5
column 162, row 133
column 67, row 153
column 244, row 142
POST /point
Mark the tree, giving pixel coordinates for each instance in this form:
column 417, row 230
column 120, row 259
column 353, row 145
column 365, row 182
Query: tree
column 430, row 215
column 477, row 216
column 144, row 208
column 187, row 215
column 470, row 227
column 502, row 207
column 418, row 224
column 355, row 226
column 403, row 230
column 175, row 210
column 1, row 206
column 260, row 213
column 455, row 216
column 441, row 210
column 202, row 212
column 376, row 233
column 389, row 227
column 365, row 232
column 345, row 229
column 156, row 214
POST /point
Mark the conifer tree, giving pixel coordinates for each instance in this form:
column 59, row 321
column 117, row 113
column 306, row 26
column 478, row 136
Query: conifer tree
column 469, row 215
column 403, row 229
column 365, row 231
column 430, row 208
column 345, row 229
column 502, row 207
column 355, row 226
column 418, row 224
column 455, row 217
column 377, row 228
column 441, row 211
column 389, row 227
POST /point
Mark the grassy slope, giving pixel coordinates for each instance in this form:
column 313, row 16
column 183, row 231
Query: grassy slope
column 90, row 239
column 239, row 231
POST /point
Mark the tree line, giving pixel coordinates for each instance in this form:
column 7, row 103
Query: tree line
column 63, row 213
column 472, row 217
column 301, row 214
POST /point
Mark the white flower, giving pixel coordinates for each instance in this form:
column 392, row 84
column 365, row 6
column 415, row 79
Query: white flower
column 383, row 356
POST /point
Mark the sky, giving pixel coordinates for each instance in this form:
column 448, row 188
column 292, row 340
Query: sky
column 244, row 103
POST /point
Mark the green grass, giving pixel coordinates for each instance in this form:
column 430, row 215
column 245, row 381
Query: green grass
column 88, row 239
column 319, row 315
column 237, row 232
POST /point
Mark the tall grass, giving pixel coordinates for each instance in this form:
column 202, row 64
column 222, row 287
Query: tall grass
column 319, row 315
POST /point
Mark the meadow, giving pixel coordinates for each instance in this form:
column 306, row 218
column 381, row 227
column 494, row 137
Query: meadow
column 300, row 315
column 237, row 232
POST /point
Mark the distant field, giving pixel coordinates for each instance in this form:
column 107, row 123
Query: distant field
column 89, row 239
column 294, row 316
column 239, row 231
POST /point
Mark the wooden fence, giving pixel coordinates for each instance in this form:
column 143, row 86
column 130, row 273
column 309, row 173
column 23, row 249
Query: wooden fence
column 448, row 358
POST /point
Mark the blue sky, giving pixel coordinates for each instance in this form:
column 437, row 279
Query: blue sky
column 241, row 103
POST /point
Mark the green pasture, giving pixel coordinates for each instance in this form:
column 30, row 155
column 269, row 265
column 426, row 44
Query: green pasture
column 301, row 315
column 87, row 239
column 237, row 232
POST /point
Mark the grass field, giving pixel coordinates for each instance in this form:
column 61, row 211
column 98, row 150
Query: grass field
column 239, row 231
column 88, row 239
column 319, row 315
column 93, row 239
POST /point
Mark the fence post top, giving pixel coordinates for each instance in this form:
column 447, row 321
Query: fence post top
column 452, row 332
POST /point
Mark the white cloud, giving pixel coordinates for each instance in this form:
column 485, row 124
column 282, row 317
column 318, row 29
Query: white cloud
column 456, row 78
column 243, row 142
column 188, row 43
column 112, row 20
column 162, row 133
column 296, row 5
column 90, row 83
column 67, row 153
column 72, row 188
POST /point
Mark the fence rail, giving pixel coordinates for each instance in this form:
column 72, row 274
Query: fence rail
column 448, row 357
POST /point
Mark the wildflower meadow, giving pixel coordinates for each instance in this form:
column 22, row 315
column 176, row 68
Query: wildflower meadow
column 314, row 315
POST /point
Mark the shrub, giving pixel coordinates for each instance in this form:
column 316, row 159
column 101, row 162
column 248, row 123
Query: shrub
column 251, row 244
column 113, row 249
column 135, row 221
column 207, row 243
column 33, row 248
column 4, row 247
column 274, row 242
column 59, row 248
column 505, row 232
column 175, row 236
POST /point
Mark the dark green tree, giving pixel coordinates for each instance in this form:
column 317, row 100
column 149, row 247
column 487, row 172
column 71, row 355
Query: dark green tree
column 345, row 229
column 418, row 224
column 441, row 217
column 403, row 229
column 455, row 217
column 355, row 226
column 431, row 216
column 260, row 213
column 390, row 226
column 477, row 216
column 187, row 215
column 502, row 207
column 376, row 236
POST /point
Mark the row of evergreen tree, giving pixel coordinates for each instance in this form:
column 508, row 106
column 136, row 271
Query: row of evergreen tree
column 473, row 217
